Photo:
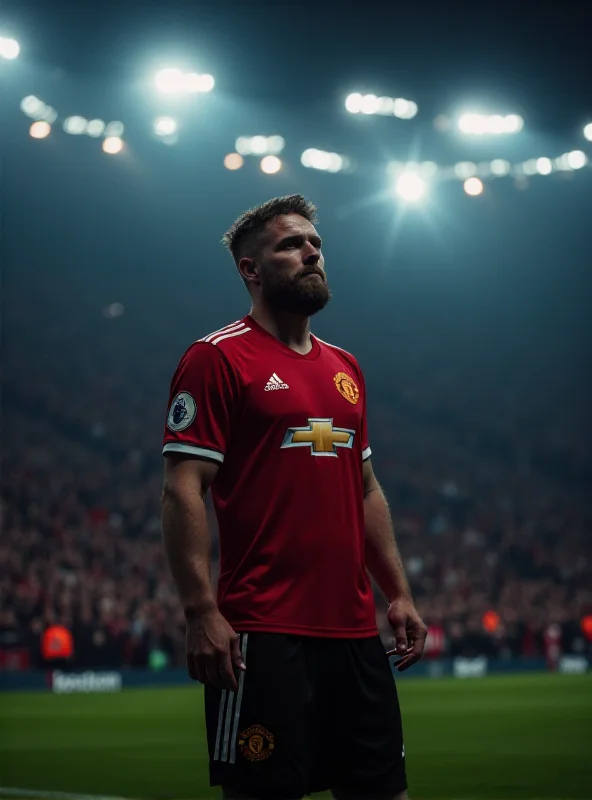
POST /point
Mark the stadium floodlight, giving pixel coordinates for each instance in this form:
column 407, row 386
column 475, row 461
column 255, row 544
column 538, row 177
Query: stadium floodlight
column 170, row 81
column 112, row 145
column 9, row 49
column 385, row 106
column 114, row 129
column 513, row 123
column 404, row 109
column 95, row 128
column 473, row 187
column 270, row 165
column 494, row 124
column 192, row 82
column 40, row 130
column 576, row 159
column 49, row 114
column 472, row 123
column 75, row 125
column 353, row 103
column 410, row 187
column 33, row 107
column 544, row 166
column 369, row 104
column 243, row 145
column 165, row 126
column 206, row 83
column 275, row 144
column 465, row 169
column 233, row 161
column 322, row 160
column 588, row 131
column 428, row 169
column 258, row 145
column 500, row 167
column 530, row 167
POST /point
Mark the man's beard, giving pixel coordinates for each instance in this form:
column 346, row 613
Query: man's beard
column 298, row 295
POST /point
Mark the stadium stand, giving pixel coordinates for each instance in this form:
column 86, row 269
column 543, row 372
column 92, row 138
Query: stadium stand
column 488, row 490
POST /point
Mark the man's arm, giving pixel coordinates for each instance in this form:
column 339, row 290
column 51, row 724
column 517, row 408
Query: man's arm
column 382, row 555
column 185, row 530
column 212, row 645
column 385, row 565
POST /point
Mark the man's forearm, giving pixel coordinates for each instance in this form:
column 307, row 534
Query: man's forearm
column 382, row 555
column 187, row 545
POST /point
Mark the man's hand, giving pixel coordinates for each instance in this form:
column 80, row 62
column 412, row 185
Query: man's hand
column 213, row 652
column 410, row 632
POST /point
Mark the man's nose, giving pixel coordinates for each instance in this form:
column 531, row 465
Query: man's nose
column 311, row 255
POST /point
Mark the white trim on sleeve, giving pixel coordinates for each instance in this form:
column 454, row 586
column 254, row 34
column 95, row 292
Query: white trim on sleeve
column 366, row 454
column 192, row 450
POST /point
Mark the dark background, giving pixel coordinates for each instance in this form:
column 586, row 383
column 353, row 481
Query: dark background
column 470, row 316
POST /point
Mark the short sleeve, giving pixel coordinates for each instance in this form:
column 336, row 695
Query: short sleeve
column 202, row 403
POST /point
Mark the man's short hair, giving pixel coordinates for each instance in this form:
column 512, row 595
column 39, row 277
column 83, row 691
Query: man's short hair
column 251, row 223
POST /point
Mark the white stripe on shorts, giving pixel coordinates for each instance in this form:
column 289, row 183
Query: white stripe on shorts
column 229, row 714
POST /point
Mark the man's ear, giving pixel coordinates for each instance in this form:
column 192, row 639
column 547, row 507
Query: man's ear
column 248, row 270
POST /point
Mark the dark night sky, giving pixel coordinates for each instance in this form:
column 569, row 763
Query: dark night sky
column 531, row 53
column 507, row 272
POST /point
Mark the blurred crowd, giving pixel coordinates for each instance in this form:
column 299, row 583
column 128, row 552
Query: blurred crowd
column 488, row 487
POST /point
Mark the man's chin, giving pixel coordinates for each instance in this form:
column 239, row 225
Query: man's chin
column 305, row 305
column 309, row 307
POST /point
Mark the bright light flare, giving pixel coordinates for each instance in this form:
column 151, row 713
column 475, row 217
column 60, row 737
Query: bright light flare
column 369, row 104
column 112, row 145
column 259, row 145
column 473, row 187
column 588, row 131
column 165, row 126
column 493, row 125
column 270, row 165
column 233, row 161
column 40, row 130
column 465, row 169
column 206, row 83
column 76, row 126
column 353, row 103
column 114, row 129
column 576, row 159
column 500, row 167
column 9, row 49
column 170, row 81
column 544, row 166
column 95, row 128
column 321, row 160
column 410, row 187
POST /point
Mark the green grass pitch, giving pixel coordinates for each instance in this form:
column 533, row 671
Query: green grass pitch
column 516, row 737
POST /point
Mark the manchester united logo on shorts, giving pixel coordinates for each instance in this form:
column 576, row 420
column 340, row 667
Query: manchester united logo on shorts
column 346, row 387
column 256, row 743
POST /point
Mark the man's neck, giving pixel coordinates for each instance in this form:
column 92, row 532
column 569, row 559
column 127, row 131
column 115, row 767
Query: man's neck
column 292, row 330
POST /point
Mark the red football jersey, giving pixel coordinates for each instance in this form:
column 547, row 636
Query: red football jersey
column 289, row 433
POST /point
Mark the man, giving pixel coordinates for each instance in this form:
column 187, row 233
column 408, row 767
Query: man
column 299, row 692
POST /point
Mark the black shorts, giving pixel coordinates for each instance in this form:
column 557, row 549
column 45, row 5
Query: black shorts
column 309, row 715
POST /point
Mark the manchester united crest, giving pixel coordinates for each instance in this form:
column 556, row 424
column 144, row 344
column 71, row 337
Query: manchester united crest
column 256, row 743
column 346, row 387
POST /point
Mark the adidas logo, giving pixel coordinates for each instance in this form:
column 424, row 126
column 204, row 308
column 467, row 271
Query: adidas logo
column 275, row 383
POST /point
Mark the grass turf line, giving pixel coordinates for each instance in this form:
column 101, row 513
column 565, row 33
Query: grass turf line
column 512, row 737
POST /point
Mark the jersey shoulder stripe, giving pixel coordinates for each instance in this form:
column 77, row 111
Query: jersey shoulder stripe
column 231, row 327
column 229, row 332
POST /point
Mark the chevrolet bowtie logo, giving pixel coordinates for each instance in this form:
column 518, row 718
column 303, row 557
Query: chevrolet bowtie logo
column 320, row 435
